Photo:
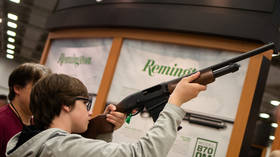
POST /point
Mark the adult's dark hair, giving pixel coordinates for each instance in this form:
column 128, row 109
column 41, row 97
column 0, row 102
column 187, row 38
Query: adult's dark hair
column 50, row 93
column 24, row 74
column 4, row 98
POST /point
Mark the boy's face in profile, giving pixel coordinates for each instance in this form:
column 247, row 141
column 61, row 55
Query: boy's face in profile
column 80, row 116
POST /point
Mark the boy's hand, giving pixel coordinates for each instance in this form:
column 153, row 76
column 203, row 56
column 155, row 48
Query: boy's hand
column 185, row 90
column 116, row 118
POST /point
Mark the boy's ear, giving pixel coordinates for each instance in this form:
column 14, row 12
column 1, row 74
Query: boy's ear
column 66, row 108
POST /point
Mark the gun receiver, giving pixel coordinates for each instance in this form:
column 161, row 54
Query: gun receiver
column 155, row 98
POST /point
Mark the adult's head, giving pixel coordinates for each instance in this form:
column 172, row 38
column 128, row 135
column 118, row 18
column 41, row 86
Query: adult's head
column 24, row 74
column 57, row 93
column 21, row 81
column 3, row 100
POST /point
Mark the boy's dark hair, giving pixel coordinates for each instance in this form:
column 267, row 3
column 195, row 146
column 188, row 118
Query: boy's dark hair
column 24, row 74
column 50, row 93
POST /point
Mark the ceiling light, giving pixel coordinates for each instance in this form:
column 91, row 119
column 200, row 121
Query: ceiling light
column 12, row 16
column 264, row 115
column 12, row 24
column 10, row 56
column 10, row 46
column 275, row 102
column 274, row 125
column 272, row 137
column 11, row 40
column 11, row 33
column 0, row 20
column 15, row 1
column 9, row 51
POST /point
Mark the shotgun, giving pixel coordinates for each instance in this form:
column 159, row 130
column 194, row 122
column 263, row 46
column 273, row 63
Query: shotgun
column 153, row 99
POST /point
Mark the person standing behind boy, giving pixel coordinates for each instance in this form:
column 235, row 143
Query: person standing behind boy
column 59, row 104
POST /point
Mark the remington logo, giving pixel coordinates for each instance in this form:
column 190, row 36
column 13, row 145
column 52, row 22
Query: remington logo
column 153, row 68
column 73, row 60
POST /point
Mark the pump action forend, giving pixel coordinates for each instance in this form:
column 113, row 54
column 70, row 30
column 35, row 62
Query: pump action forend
column 155, row 98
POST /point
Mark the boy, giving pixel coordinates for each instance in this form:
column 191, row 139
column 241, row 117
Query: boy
column 59, row 105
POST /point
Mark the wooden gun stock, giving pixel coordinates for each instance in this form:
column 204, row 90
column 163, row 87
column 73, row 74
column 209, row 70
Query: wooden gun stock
column 98, row 125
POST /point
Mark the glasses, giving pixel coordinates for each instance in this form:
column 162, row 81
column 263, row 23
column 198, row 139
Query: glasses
column 87, row 101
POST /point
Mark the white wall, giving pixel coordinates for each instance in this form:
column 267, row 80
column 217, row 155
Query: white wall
column 6, row 68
